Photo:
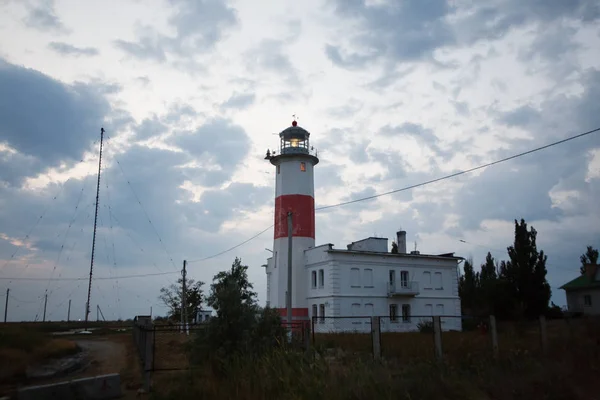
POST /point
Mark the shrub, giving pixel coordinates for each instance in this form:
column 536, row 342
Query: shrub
column 425, row 326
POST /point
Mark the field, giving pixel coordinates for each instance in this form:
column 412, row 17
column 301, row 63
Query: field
column 343, row 368
column 339, row 366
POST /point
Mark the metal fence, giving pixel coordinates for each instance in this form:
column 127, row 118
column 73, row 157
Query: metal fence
column 451, row 337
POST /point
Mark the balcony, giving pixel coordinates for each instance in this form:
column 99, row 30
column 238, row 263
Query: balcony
column 404, row 288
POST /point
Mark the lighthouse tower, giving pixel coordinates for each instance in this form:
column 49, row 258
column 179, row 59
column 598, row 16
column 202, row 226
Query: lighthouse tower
column 294, row 193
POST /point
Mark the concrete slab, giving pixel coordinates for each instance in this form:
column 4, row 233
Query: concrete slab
column 95, row 388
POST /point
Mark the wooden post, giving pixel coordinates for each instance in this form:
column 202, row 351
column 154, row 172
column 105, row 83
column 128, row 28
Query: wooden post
column 437, row 337
column 494, row 335
column 6, row 305
column 376, row 337
column 149, row 354
column 543, row 334
column 307, row 336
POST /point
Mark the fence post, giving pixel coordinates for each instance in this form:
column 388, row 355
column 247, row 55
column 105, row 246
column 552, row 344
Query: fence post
column 494, row 335
column 437, row 337
column 543, row 334
column 376, row 337
column 148, row 355
column 312, row 322
column 307, row 338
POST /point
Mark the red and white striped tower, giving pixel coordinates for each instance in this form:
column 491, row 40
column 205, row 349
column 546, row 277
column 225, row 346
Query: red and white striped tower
column 294, row 192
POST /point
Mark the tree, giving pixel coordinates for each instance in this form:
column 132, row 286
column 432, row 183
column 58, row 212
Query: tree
column 468, row 286
column 525, row 273
column 394, row 248
column 488, row 285
column 589, row 257
column 240, row 326
column 171, row 296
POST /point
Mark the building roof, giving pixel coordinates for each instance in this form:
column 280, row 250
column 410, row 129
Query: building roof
column 445, row 256
column 581, row 282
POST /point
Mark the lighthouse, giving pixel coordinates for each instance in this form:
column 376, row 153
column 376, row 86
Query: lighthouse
column 294, row 197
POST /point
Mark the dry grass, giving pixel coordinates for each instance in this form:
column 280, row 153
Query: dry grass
column 21, row 347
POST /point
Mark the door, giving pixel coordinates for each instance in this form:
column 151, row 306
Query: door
column 404, row 279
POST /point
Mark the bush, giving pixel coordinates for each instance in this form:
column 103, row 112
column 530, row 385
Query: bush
column 425, row 326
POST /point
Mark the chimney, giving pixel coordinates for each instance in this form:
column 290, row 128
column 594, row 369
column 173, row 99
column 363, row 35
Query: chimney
column 590, row 271
column 401, row 241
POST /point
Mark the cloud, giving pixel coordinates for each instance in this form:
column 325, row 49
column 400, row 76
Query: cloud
column 145, row 49
column 239, row 101
column 198, row 24
column 405, row 31
column 217, row 144
column 492, row 20
column 42, row 16
column 70, row 50
column 47, row 120
column 270, row 56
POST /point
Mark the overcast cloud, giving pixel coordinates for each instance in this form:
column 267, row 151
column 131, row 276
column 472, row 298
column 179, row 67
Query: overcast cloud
column 192, row 93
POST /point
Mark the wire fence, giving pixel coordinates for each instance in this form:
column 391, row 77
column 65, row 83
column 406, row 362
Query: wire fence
column 459, row 338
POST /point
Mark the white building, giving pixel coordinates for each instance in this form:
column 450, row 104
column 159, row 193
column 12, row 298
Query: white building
column 365, row 279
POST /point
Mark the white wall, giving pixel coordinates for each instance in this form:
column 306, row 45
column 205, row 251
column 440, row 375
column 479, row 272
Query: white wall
column 299, row 280
column 291, row 180
column 370, row 244
column 575, row 301
column 368, row 295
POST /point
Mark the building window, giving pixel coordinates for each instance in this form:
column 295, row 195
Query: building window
column 439, row 309
column 427, row 279
column 438, row 281
column 355, row 313
column 393, row 312
column 314, row 279
column 405, row 312
column 404, row 279
column 322, row 312
column 369, row 310
column 314, row 312
column 321, row 278
column 355, row 277
column 392, row 276
column 587, row 300
column 303, row 166
column 429, row 309
column 278, row 169
column 368, row 277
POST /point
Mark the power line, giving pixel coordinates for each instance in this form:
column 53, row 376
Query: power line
column 231, row 248
column 100, row 278
column 460, row 172
column 414, row 186
column 143, row 209
column 331, row 206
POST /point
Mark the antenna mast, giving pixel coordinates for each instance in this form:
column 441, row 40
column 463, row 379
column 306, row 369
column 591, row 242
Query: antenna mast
column 87, row 305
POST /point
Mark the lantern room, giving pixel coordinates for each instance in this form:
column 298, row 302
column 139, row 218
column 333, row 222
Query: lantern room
column 294, row 140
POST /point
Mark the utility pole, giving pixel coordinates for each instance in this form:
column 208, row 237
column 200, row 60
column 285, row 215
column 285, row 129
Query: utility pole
column 97, row 313
column 69, row 312
column 45, row 302
column 289, row 271
column 87, row 305
column 6, row 305
column 184, row 300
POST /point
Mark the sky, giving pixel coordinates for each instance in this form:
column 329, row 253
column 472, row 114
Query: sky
column 191, row 94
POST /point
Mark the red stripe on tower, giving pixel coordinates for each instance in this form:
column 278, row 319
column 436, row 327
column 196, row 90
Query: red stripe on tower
column 303, row 218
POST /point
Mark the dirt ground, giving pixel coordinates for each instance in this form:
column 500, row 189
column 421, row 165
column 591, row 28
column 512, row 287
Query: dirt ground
column 107, row 354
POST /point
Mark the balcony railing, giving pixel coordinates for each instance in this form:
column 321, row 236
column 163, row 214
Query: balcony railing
column 403, row 288
column 298, row 150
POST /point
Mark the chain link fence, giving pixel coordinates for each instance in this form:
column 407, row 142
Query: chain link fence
column 346, row 333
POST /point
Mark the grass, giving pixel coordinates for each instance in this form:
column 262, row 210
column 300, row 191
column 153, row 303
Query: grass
column 21, row 347
column 287, row 375
column 409, row 370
